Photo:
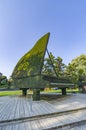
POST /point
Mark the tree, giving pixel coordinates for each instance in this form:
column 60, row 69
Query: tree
column 3, row 80
column 77, row 69
column 10, row 82
column 60, row 67
column 54, row 66
column 48, row 65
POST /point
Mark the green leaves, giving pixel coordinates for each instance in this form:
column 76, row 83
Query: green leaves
column 27, row 73
column 3, row 80
column 54, row 66
column 77, row 68
column 31, row 63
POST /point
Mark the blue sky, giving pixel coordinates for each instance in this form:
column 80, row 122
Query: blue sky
column 23, row 22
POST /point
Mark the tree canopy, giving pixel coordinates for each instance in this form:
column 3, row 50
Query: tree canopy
column 54, row 66
column 3, row 79
column 77, row 68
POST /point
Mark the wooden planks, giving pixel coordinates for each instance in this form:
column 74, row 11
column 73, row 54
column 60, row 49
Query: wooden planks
column 16, row 107
column 63, row 121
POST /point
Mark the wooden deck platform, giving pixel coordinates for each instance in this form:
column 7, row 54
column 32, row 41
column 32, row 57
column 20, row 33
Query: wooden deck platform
column 17, row 113
column 16, row 108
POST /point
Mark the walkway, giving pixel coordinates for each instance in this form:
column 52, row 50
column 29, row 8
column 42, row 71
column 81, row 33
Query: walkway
column 18, row 113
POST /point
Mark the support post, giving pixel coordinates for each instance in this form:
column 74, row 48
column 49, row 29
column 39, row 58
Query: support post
column 63, row 91
column 24, row 91
column 36, row 94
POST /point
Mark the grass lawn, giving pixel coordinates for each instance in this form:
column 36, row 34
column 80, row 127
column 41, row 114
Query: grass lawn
column 10, row 93
column 19, row 92
column 59, row 90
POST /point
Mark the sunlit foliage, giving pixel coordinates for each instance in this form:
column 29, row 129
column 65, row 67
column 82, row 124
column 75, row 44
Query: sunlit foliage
column 28, row 70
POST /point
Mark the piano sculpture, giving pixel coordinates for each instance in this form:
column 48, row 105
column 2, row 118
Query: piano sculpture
column 28, row 74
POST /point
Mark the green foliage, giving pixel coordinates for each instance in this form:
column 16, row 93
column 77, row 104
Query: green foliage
column 30, row 65
column 77, row 68
column 3, row 81
column 48, row 68
column 54, row 66
column 30, row 82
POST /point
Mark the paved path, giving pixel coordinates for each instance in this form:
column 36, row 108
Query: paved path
column 24, row 109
